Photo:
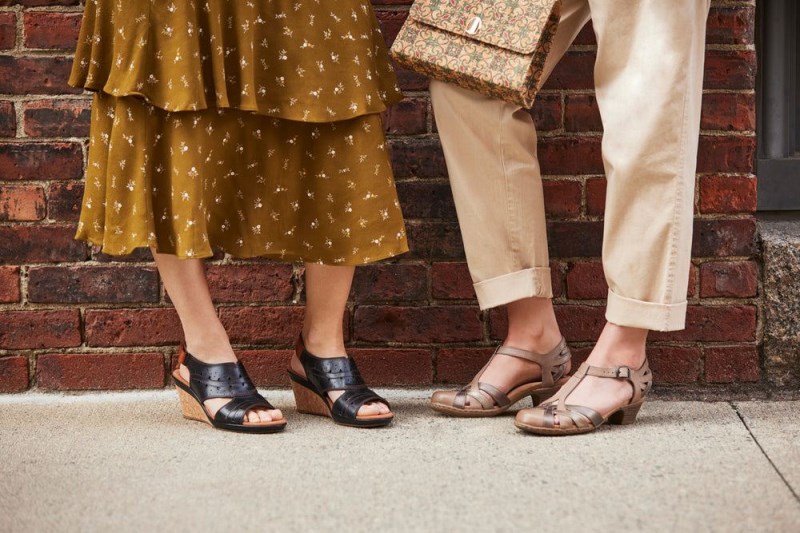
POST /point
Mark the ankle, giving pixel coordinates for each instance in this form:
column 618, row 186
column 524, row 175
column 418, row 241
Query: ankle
column 620, row 346
column 324, row 344
column 210, row 349
column 539, row 340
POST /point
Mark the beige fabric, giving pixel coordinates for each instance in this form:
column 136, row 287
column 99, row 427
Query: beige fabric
column 649, row 88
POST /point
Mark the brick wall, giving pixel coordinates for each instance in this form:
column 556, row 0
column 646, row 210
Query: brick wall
column 73, row 319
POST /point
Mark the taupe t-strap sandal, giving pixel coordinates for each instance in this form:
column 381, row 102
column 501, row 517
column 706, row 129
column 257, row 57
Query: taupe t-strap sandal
column 479, row 399
column 575, row 419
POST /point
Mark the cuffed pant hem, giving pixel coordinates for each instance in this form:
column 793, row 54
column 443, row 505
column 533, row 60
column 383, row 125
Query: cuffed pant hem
column 515, row 286
column 645, row 315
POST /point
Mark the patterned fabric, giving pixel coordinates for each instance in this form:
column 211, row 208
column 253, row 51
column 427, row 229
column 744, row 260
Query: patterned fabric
column 204, row 137
column 494, row 48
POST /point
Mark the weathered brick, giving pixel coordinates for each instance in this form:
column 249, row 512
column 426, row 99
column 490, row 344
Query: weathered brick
column 258, row 283
column 459, row 365
column 40, row 244
column 726, row 154
column 733, row 279
column 673, row 365
column 562, row 198
column 64, row 201
column 547, row 112
column 426, row 199
column 570, row 155
column 729, row 323
column 92, row 284
column 417, row 324
column 586, row 281
column 41, row 161
column 35, row 75
column 13, row 374
column 8, row 30
column 595, row 196
column 727, row 194
column 729, row 112
column 575, row 71
column 8, row 119
column 720, row 238
column 730, row 69
column 409, row 117
column 57, row 118
column 9, row 284
column 390, row 282
column 132, row 327
column 21, row 203
column 581, row 113
column 434, row 240
column 733, row 25
column 575, row 239
column 24, row 330
column 390, row 366
column 451, row 281
column 52, row 30
column 422, row 158
column 93, row 371
column 276, row 326
column 728, row 364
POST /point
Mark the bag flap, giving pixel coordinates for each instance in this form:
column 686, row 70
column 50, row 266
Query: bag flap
column 515, row 25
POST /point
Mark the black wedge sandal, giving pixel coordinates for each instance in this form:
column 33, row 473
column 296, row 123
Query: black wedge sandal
column 223, row 380
column 334, row 374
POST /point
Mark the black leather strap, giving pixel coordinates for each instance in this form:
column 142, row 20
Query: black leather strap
column 234, row 411
column 221, row 380
column 339, row 373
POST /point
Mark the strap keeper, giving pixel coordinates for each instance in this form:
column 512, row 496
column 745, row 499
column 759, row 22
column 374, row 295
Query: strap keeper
column 623, row 372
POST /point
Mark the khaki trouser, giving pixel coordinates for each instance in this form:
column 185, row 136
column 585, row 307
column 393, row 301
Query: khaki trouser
column 648, row 77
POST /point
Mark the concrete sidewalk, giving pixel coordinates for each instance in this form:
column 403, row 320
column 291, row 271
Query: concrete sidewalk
column 129, row 462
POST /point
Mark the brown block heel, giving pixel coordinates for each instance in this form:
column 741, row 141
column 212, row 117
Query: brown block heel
column 626, row 415
column 308, row 402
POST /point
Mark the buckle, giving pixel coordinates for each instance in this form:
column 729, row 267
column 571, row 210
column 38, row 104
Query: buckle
column 623, row 372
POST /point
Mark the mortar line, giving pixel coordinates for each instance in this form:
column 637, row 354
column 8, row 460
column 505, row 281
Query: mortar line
column 763, row 451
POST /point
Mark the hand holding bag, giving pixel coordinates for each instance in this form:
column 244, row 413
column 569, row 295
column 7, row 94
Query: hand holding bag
column 497, row 48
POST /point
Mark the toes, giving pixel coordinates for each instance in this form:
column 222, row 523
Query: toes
column 275, row 414
column 264, row 416
column 369, row 409
column 252, row 417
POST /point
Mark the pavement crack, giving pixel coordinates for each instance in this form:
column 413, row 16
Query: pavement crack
column 764, row 452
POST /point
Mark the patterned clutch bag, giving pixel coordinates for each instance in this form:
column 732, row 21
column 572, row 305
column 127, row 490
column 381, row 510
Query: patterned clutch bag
column 497, row 48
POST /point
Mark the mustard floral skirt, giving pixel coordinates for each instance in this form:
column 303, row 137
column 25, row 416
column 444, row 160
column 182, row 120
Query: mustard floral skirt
column 249, row 184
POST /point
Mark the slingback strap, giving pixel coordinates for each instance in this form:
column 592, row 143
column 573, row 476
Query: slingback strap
column 223, row 380
column 552, row 363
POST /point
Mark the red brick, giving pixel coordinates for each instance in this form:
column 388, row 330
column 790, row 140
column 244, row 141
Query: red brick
column 409, row 117
column 21, row 202
column 258, row 283
column 417, row 324
column 729, row 112
column 390, row 282
column 13, row 374
column 410, row 81
column 93, row 371
column 451, row 281
column 734, row 279
column 714, row 324
column 731, row 25
column 731, row 154
column 434, row 240
column 52, row 30
column 64, row 201
column 23, row 330
column 426, row 199
column 581, row 113
column 721, row 238
column 132, row 327
column 422, row 158
column 267, row 368
column 547, row 112
column 57, row 118
column 730, row 69
column 93, row 284
column 586, row 36
column 586, row 281
column 39, row 3
column 40, row 244
column 557, row 278
column 35, row 75
column 727, row 194
column 562, row 198
column 730, row 364
column 41, row 161
column 673, row 365
column 9, row 284
column 8, row 30
column 8, row 120
column 275, row 326
column 390, row 21
column 575, row 71
column 570, row 155
column 459, row 365
column 575, row 239
column 392, row 367
column 578, row 323
column 596, row 196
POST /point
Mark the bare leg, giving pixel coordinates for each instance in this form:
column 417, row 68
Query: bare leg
column 532, row 326
column 206, row 339
column 327, row 289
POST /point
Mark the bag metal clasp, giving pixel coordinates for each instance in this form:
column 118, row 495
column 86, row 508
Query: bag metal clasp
column 474, row 25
